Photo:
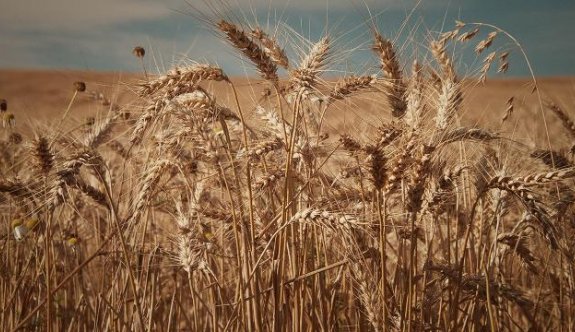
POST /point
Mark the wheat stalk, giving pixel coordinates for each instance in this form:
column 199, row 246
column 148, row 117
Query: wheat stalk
column 240, row 40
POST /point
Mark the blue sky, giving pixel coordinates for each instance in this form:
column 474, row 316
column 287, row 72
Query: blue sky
column 99, row 35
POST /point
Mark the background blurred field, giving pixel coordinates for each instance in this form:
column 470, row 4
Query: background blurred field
column 38, row 97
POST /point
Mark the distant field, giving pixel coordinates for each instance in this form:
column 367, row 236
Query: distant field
column 40, row 96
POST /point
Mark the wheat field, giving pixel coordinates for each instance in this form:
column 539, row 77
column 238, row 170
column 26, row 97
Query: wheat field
column 411, row 197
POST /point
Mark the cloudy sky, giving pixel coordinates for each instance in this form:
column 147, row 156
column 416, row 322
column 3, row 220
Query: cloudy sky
column 99, row 35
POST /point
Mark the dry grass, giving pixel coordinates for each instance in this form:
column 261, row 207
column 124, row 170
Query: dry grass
column 371, row 202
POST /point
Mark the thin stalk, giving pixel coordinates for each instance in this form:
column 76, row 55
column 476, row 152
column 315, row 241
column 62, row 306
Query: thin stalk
column 64, row 281
column 48, row 266
column 411, row 290
column 382, row 243
column 57, row 131
column 255, row 285
column 492, row 323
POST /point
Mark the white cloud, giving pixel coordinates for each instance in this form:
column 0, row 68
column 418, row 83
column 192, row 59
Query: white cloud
column 303, row 5
column 320, row 4
column 94, row 51
column 74, row 15
column 77, row 14
column 88, row 31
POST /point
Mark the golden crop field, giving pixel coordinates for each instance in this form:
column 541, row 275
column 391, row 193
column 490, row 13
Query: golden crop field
column 408, row 198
